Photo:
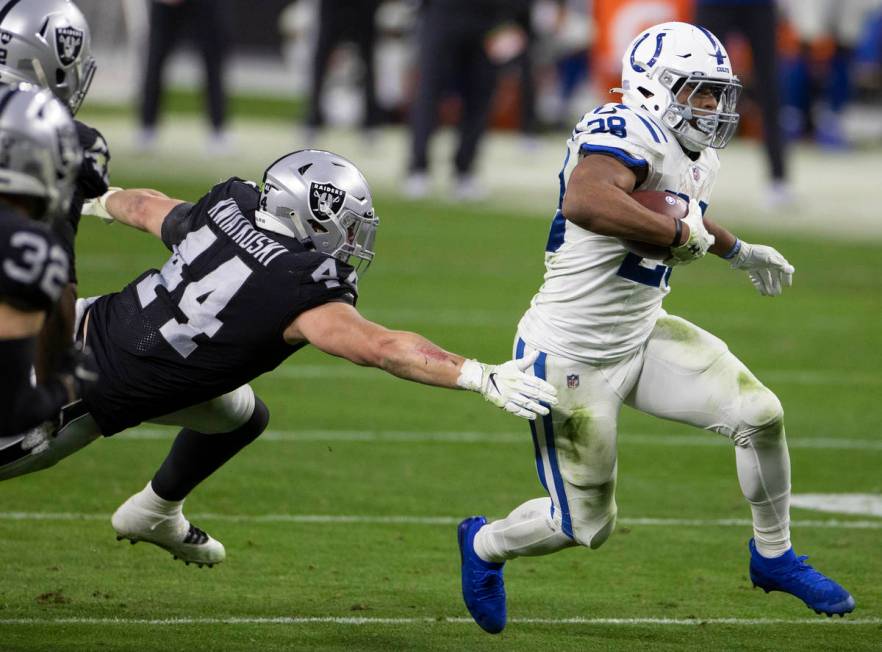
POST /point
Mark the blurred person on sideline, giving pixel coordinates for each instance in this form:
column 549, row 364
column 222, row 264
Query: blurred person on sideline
column 341, row 21
column 462, row 44
column 206, row 21
column 756, row 21
column 816, row 95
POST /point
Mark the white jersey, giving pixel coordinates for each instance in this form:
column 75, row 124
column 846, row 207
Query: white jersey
column 599, row 302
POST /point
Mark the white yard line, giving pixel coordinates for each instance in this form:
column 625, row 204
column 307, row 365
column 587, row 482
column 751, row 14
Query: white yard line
column 699, row 439
column 432, row 520
column 357, row 621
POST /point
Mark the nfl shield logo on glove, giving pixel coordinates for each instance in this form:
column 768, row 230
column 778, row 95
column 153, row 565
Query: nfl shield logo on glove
column 572, row 381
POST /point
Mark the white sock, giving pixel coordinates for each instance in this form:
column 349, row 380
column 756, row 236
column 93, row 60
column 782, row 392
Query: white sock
column 149, row 499
column 764, row 474
column 528, row 531
column 771, row 526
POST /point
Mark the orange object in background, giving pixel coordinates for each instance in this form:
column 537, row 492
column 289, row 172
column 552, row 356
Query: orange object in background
column 618, row 22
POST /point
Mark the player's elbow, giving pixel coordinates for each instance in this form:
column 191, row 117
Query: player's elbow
column 581, row 207
column 385, row 351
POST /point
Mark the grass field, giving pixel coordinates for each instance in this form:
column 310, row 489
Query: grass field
column 340, row 522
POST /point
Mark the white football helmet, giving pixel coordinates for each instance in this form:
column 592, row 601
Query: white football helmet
column 47, row 43
column 665, row 59
column 322, row 200
column 40, row 153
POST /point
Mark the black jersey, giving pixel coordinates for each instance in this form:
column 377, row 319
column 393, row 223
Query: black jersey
column 33, row 266
column 213, row 318
column 91, row 182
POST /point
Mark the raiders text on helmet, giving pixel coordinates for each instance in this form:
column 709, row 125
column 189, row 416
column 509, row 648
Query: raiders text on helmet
column 665, row 59
column 40, row 153
column 324, row 201
column 47, row 43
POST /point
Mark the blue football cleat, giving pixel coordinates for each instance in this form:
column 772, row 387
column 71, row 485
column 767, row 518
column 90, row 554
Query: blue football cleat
column 790, row 574
column 483, row 588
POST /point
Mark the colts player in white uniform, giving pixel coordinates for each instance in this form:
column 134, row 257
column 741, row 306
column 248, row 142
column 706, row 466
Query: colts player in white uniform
column 603, row 338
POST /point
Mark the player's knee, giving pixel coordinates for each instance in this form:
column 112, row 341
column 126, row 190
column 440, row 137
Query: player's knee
column 761, row 417
column 604, row 532
column 259, row 418
column 254, row 427
column 233, row 411
column 594, row 532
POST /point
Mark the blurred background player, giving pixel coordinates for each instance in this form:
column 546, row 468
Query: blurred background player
column 37, row 170
column 604, row 340
column 818, row 91
column 461, row 45
column 207, row 22
column 756, row 21
column 354, row 21
column 253, row 277
column 48, row 43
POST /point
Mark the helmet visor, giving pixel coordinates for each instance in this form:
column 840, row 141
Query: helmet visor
column 711, row 106
column 360, row 231
column 85, row 73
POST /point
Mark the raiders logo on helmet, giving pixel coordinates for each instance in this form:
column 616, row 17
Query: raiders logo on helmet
column 5, row 37
column 325, row 200
column 68, row 43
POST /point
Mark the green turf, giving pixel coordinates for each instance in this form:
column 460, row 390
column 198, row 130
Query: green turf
column 462, row 277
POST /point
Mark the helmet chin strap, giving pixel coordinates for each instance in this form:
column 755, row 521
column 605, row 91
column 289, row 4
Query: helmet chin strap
column 269, row 222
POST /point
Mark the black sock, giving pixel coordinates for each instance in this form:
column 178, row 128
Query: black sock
column 194, row 455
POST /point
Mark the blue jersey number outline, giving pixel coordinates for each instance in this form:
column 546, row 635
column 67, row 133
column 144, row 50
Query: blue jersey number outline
column 615, row 125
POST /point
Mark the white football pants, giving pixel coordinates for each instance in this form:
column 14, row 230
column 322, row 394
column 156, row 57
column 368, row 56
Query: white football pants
column 683, row 373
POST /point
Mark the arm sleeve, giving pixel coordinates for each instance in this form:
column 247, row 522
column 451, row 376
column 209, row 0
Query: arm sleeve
column 178, row 223
column 23, row 406
column 187, row 217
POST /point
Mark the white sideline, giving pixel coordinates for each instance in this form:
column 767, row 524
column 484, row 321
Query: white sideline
column 432, row 520
column 698, row 439
column 310, row 620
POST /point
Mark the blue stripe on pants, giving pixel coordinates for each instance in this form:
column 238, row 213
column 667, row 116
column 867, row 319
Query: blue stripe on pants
column 519, row 353
column 547, row 422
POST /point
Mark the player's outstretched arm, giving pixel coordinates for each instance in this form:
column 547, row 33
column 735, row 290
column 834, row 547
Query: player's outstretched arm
column 339, row 329
column 141, row 208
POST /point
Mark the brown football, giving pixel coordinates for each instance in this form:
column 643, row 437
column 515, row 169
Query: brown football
column 666, row 203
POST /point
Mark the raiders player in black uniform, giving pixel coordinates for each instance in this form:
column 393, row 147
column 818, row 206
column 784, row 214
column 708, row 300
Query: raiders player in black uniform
column 39, row 162
column 48, row 43
column 253, row 277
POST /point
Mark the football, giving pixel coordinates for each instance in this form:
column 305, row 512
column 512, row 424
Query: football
column 666, row 203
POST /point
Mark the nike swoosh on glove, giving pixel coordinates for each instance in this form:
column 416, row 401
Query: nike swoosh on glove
column 508, row 387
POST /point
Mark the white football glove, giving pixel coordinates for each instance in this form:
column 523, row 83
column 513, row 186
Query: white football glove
column 507, row 386
column 698, row 242
column 98, row 207
column 768, row 270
